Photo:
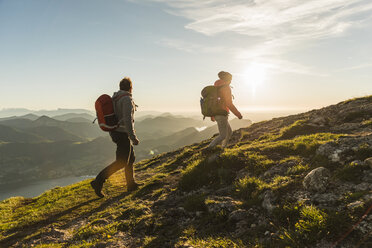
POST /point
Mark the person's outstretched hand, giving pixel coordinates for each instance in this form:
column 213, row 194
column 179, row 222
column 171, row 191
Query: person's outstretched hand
column 239, row 116
column 135, row 142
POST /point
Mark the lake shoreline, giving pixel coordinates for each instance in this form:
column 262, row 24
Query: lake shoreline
column 34, row 188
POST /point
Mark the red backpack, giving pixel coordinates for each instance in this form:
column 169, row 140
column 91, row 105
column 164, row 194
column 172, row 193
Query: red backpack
column 106, row 117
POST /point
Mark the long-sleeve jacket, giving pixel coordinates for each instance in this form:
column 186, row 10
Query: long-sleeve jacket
column 226, row 96
column 124, row 110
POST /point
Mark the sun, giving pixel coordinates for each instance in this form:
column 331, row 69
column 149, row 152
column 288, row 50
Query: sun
column 255, row 75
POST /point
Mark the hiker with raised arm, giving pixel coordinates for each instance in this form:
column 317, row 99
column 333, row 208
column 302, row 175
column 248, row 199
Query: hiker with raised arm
column 217, row 103
column 116, row 115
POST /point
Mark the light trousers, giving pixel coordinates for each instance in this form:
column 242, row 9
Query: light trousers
column 225, row 131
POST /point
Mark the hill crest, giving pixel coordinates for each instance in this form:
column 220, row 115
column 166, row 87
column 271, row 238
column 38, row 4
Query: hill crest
column 258, row 192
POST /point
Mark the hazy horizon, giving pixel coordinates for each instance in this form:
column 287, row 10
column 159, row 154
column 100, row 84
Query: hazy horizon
column 282, row 54
column 254, row 115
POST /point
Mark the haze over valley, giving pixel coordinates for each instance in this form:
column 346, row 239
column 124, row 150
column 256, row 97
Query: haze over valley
column 67, row 144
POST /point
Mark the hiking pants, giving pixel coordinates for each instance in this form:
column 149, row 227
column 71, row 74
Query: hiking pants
column 225, row 131
column 124, row 158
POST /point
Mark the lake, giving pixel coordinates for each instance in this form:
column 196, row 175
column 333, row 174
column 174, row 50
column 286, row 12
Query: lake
column 36, row 188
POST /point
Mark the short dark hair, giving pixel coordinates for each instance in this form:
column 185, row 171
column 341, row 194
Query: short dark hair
column 125, row 84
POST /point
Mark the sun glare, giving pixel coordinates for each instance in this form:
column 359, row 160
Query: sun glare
column 254, row 76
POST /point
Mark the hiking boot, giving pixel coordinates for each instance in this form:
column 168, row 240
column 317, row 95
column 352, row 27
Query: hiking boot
column 133, row 186
column 97, row 188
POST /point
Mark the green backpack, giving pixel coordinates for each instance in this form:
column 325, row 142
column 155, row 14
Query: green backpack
column 210, row 102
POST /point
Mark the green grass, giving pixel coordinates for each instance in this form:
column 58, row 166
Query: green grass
column 298, row 169
column 351, row 172
column 368, row 98
column 217, row 173
column 18, row 212
column 211, row 242
column 310, row 226
column 367, row 123
column 195, row 203
column 147, row 213
column 250, row 187
column 357, row 116
column 303, row 145
column 304, row 225
column 299, row 127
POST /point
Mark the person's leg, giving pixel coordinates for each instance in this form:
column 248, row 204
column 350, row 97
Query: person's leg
column 228, row 133
column 122, row 156
column 129, row 168
column 109, row 170
column 221, row 123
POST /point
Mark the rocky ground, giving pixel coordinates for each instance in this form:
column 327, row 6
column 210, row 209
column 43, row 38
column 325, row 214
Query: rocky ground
column 298, row 181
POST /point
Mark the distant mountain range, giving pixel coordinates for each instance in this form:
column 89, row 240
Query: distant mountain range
column 160, row 126
column 75, row 117
column 187, row 136
column 23, row 111
column 34, row 147
column 81, row 129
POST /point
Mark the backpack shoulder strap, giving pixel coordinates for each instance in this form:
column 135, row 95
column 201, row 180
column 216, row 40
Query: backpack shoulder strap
column 118, row 97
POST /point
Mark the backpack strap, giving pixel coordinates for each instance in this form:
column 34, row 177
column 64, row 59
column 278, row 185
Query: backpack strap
column 115, row 99
column 118, row 97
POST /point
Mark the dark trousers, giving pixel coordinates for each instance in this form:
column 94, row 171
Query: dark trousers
column 124, row 159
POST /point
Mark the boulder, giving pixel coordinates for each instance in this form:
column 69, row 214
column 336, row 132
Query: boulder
column 317, row 180
column 368, row 161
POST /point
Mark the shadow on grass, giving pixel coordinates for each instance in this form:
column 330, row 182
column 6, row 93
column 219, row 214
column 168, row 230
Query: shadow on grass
column 19, row 233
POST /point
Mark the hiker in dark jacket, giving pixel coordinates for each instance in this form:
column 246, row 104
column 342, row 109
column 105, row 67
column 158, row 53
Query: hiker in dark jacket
column 124, row 137
column 224, row 93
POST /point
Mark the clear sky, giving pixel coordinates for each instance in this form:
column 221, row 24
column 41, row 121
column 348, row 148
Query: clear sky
column 282, row 53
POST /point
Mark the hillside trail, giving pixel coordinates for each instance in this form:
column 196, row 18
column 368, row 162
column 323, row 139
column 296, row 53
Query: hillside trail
column 60, row 226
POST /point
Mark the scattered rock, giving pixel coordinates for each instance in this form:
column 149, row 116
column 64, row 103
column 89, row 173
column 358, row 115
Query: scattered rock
column 326, row 199
column 362, row 186
column 355, row 204
column 366, row 225
column 268, row 199
column 317, row 180
column 319, row 120
column 335, row 156
column 198, row 213
column 275, row 170
column 368, row 177
column 368, row 161
column 367, row 198
column 213, row 158
column 225, row 190
column 238, row 215
column 101, row 245
column 217, row 203
column 242, row 174
column 241, row 227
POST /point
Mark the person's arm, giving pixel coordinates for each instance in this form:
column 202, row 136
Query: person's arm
column 226, row 94
column 128, row 119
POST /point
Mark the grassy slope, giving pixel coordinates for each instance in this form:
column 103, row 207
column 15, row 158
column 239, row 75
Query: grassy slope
column 172, row 209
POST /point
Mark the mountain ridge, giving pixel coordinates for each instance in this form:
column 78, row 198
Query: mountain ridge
column 258, row 192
